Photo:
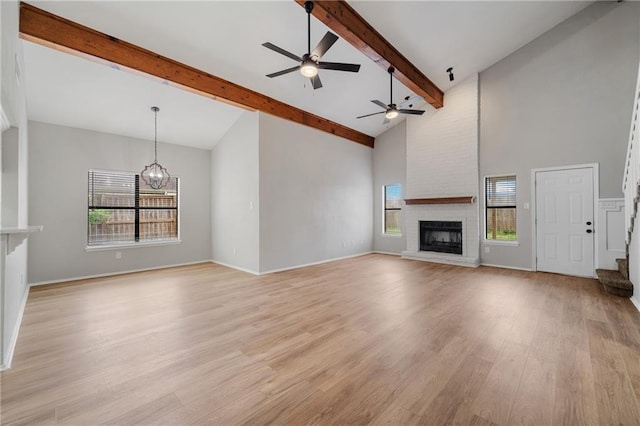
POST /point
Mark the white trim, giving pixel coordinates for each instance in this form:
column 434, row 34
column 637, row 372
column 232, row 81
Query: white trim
column 16, row 330
column 315, row 263
column 596, row 197
column 4, row 120
column 110, row 274
column 386, row 252
column 506, row 267
column 237, row 268
column 635, row 302
column 89, row 249
column 391, row 235
column 501, row 242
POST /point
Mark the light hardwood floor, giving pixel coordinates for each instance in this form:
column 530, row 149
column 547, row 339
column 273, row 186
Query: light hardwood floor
column 374, row 339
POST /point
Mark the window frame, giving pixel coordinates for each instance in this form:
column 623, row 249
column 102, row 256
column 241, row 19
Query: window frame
column 137, row 209
column 486, row 240
column 385, row 209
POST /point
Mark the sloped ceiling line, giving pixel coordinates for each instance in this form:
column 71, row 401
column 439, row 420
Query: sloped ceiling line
column 53, row 31
column 352, row 27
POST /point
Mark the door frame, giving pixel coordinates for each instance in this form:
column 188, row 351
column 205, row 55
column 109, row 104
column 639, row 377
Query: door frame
column 596, row 196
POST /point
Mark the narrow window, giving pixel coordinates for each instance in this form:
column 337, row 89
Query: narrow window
column 392, row 209
column 500, row 204
column 123, row 209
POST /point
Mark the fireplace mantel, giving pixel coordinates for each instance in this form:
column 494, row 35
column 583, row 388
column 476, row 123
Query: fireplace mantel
column 443, row 200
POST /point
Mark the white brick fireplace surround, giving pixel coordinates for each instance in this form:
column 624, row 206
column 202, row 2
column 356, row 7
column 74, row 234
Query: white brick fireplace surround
column 442, row 161
column 465, row 213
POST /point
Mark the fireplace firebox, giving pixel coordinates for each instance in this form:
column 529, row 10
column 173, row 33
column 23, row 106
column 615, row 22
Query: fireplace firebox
column 441, row 236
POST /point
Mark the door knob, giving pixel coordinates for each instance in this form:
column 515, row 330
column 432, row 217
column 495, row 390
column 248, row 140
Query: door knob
column 589, row 231
column 589, row 223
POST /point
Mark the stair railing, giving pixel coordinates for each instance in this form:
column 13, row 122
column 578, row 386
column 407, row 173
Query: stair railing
column 631, row 180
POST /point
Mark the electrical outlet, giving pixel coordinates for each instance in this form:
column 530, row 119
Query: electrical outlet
column 235, row 251
column 118, row 255
column 487, row 249
column 344, row 244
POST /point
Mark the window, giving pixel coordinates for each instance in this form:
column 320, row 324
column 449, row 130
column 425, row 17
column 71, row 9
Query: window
column 392, row 210
column 123, row 209
column 500, row 204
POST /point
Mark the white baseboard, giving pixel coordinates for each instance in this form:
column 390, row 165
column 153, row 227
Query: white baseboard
column 14, row 339
column 636, row 301
column 237, row 268
column 110, row 274
column 315, row 263
column 507, row 267
column 386, row 252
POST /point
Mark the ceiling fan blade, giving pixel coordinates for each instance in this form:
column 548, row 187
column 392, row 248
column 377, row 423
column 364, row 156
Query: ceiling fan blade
column 369, row 115
column 380, row 104
column 411, row 111
column 287, row 71
column 411, row 100
column 325, row 44
column 338, row 66
column 316, row 82
column 282, row 51
column 386, row 121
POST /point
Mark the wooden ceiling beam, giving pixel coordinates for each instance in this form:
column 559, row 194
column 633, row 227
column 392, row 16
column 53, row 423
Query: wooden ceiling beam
column 47, row 29
column 348, row 24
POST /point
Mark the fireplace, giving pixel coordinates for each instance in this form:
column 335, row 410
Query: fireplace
column 441, row 236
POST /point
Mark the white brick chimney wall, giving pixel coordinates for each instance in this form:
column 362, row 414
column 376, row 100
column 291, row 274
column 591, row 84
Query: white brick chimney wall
column 442, row 161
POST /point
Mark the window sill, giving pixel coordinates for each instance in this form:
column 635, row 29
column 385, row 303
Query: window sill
column 392, row 235
column 501, row 243
column 132, row 245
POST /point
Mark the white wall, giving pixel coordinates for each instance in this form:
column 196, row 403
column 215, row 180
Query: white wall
column 60, row 158
column 442, row 146
column 634, row 265
column 562, row 99
column 316, row 195
column 13, row 278
column 10, row 181
column 389, row 167
column 235, row 205
column 442, row 161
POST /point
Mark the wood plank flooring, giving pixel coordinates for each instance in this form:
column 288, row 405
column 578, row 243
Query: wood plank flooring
column 368, row 340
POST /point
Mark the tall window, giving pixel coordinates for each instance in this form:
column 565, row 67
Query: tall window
column 392, row 210
column 500, row 203
column 123, row 209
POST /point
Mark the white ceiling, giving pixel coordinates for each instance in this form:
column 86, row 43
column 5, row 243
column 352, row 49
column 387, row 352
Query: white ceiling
column 224, row 38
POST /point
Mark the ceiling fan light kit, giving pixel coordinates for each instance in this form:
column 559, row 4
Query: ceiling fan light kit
column 310, row 61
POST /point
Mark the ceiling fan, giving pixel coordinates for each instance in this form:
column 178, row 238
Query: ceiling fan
column 392, row 110
column 310, row 61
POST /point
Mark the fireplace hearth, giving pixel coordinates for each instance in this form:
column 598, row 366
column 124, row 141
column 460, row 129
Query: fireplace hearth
column 441, row 236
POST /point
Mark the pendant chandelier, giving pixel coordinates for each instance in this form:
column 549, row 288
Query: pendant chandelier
column 154, row 174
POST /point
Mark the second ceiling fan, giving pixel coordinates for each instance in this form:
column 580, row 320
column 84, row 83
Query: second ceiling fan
column 310, row 61
column 392, row 110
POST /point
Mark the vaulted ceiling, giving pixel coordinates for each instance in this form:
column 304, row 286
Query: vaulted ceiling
column 224, row 38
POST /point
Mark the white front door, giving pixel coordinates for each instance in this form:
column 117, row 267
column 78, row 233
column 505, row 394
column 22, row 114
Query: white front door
column 564, row 221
